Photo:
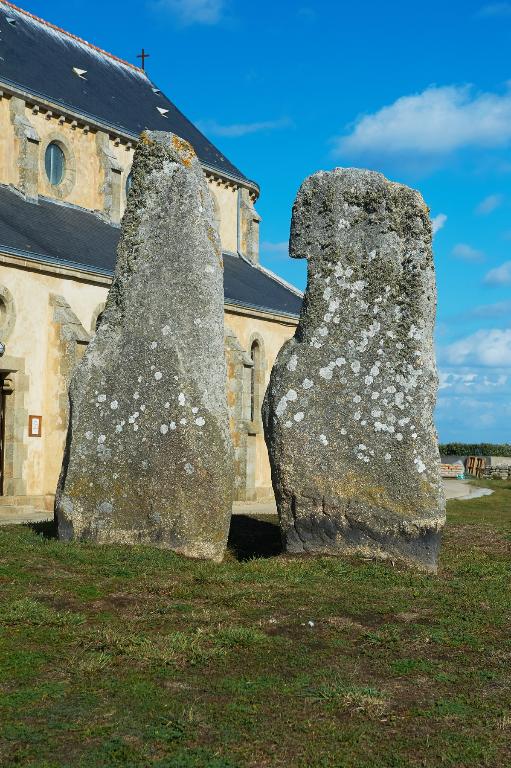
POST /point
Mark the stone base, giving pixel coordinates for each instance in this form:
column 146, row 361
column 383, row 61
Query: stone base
column 161, row 538
column 416, row 543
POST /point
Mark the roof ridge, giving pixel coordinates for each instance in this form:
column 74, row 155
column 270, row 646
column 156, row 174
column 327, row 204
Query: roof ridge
column 72, row 36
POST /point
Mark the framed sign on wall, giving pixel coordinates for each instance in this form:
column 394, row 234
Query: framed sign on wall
column 35, row 426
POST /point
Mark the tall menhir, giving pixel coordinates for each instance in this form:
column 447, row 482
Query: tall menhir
column 348, row 413
column 149, row 455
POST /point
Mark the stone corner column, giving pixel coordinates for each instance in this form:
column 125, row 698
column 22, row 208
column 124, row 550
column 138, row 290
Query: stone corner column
column 28, row 149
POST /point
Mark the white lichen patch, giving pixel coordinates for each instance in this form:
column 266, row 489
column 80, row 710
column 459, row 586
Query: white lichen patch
column 299, row 416
column 114, row 405
column 323, row 440
column 153, row 344
column 181, row 399
column 189, row 469
column 291, row 365
column 164, row 429
column 200, row 421
column 158, row 375
column 307, row 383
column 101, row 398
column 326, row 373
column 421, row 467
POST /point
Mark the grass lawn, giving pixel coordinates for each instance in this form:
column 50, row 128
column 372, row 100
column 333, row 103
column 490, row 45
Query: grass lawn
column 117, row 656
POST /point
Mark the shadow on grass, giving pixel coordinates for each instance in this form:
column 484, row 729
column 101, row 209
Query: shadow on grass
column 46, row 528
column 250, row 537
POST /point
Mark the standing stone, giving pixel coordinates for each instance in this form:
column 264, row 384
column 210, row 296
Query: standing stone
column 149, row 454
column 348, row 410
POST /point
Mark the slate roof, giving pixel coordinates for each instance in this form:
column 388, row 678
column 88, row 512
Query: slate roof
column 74, row 237
column 38, row 58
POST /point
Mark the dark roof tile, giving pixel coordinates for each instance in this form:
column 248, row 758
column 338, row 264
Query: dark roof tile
column 39, row 58
column 75, row 237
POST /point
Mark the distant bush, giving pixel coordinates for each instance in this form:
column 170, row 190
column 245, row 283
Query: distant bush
column 475, row 449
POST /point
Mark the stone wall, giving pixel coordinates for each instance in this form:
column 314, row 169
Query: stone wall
column 97, row 168
column 43, row 345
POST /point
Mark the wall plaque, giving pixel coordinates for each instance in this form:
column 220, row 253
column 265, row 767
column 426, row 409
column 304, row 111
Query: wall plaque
column 35, row 426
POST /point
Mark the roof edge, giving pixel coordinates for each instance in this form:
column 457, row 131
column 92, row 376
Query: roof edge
column 281, row 280
column 73, row 36
column 40, row 258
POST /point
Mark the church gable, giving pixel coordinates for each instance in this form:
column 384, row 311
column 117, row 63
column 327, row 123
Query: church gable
column 52, row 65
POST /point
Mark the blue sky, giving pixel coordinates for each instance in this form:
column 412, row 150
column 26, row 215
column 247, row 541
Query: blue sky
column 419, row 92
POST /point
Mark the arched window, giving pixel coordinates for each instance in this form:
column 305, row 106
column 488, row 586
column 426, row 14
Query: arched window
column 255, row 355
column 54, row 163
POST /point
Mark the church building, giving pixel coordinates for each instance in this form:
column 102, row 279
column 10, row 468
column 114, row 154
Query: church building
column 70, row 118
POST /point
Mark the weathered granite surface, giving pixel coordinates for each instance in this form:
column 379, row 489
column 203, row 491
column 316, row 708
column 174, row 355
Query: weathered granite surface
column 149, row 454
column 348, row 410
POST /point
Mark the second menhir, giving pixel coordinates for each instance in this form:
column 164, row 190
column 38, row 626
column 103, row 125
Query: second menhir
column 348, row 413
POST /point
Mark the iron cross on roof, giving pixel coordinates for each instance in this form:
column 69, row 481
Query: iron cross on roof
column 143, row 56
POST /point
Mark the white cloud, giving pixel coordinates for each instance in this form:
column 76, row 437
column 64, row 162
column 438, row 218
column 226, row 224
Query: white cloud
column 472, row 382
column 490, row 348
column 438, row 221
column 467, row 253
column 492, row 10
column 434, row 123
column 499, row 309
column 489, row 204
column 194, row 11
column 236, row 130
column 499, row 275
column 282, row 247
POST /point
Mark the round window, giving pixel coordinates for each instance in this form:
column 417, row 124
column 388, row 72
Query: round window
column 54, row 163
column 129, row 182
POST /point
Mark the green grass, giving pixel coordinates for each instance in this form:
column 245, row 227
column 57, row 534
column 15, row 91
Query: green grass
column 134, row 657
